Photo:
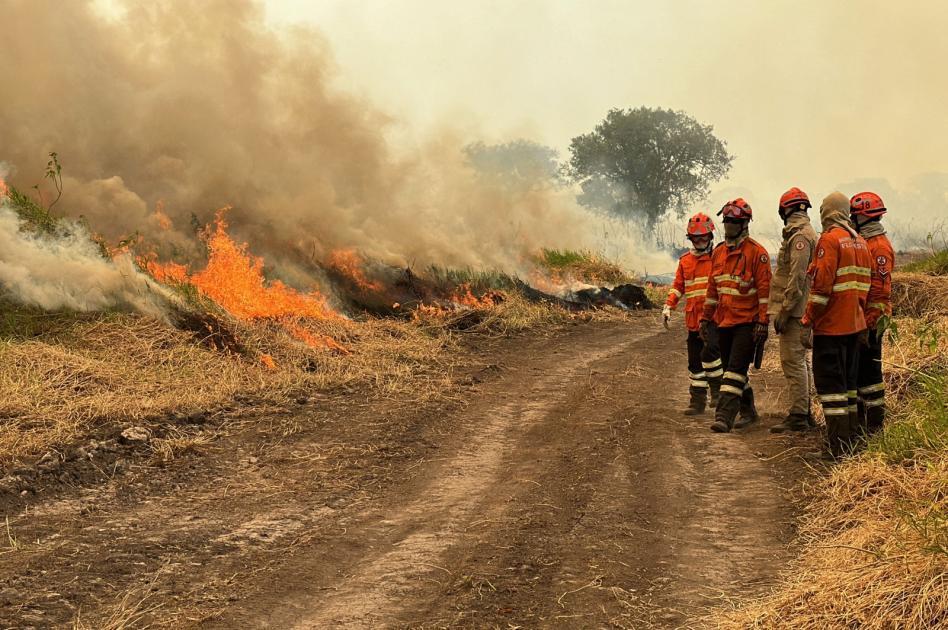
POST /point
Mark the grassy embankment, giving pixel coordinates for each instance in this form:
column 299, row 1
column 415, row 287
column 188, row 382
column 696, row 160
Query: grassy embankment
column 875, row 534
column 65, row 376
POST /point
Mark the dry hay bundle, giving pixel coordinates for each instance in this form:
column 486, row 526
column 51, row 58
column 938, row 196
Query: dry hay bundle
column 875, row 554
column 919, row 295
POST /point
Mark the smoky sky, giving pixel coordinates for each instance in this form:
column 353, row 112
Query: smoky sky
column 196, row 105
column 807, row 93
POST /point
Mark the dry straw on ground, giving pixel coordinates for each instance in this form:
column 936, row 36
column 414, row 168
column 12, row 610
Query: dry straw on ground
column 86, row 372
column 103, row 369
column 919, row 295
column 875, row 554
column 875, row 537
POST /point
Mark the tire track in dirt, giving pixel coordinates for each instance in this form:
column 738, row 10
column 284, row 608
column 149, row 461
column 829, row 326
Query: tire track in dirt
column 644, row 519
column 576, row 495
column 413, row 538
column 568, row 492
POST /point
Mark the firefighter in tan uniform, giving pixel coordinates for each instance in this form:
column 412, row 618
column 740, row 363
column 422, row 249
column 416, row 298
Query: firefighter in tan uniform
column 788, row 297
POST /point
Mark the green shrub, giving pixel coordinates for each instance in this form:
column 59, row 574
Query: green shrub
column 936, row 264
column 921, row 426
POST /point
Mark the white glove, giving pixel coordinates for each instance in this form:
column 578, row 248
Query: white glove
column 666, row 312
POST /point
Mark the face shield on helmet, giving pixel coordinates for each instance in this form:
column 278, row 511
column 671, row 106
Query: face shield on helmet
column 701, row 232
column 737, row 215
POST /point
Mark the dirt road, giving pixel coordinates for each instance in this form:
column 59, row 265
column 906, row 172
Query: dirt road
column 559, row 486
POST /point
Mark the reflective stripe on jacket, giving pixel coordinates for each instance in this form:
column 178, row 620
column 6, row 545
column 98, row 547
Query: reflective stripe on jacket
column 691, row 282
column 739, row 284
column 839, row 283
column 879, row 302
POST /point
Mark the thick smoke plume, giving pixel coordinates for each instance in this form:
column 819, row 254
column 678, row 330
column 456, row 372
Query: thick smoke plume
column 67, row 271
column 191, row 106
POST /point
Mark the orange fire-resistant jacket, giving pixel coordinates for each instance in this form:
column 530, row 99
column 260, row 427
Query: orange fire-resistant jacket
column 839, row 283
column 878, row 302
column 739, row 284
column 691, row 281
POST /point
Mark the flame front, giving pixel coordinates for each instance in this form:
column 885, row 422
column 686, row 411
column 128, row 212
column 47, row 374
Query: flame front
column 167, row 273
column 465, row 296
column 234, row 279
column 4, row 191
column 349, row 264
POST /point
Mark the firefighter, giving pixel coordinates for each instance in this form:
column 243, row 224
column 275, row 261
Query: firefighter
column 835, row 320
column 691, row 282
column 736, row 308
column 866, row 210
column 788, row 295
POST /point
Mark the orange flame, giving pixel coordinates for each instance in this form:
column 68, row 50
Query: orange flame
column 167, row 273
column 4, row 191
column 314, row 341
column 268, row 361
column 349, row 264
column 463, row 295
column 234, row 279
column 164, row 221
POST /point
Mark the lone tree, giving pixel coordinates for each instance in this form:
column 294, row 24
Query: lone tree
column 641, row 163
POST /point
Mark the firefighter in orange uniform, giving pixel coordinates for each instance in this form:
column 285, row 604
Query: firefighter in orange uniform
column 835, row 321
column 866, row 210
column 691, row 282
column 736, row 307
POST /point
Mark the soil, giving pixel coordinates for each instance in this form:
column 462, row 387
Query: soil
column 557, row 484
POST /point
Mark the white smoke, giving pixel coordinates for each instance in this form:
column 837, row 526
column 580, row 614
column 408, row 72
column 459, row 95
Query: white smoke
column 67, row 271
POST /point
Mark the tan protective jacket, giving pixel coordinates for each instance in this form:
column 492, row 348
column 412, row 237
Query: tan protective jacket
column 788, row 289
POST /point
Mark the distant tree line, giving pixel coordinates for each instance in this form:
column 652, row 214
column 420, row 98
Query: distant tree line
column 637, row 164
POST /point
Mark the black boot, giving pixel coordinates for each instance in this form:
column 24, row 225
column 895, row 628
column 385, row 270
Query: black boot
column 875, row 418
column 793, row 422
column 725, row 412
column 699, row 399
column 714, row 387
column 749, row 413
column 838, row 438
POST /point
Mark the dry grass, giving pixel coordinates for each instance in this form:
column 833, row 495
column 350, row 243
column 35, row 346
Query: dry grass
column 919, row 295
column 875, row 554
column 875, row 536
column 87, row 371
column 513, row 315
column 584, row 266
column 66, row 376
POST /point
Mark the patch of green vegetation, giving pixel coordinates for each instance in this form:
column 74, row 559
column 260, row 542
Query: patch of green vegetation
column 478, row 280
column 935, row 265
column 921, row 426
column 35, row 216
column 563, row 258
column 581, row 265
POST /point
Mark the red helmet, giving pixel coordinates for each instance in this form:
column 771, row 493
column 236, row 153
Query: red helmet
column 700, row 225
column 868, row 204
column 795, row 199
column 737, row 209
